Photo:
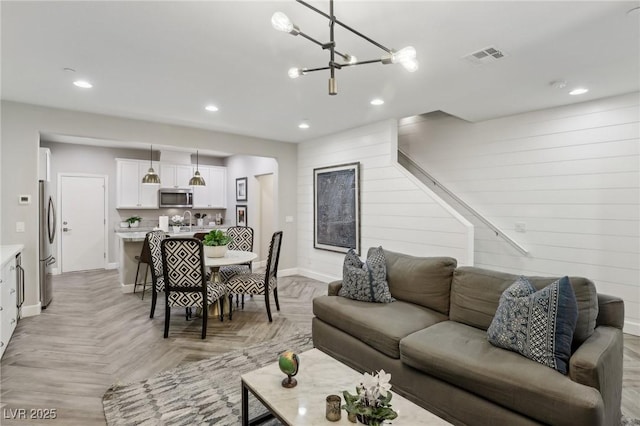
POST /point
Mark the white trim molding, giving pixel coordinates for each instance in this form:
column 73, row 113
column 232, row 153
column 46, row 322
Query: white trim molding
column 631, row 327
column 30, row 310
column 317, row 276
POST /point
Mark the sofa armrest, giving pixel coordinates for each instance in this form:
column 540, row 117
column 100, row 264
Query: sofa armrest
column 610, row 311
column 334, row 288
column 598, row 363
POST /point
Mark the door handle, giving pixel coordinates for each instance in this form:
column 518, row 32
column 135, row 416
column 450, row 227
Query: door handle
column 51, row 261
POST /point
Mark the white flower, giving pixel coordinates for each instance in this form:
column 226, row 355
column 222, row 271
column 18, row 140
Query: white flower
column 176, row 219
column 383, row 382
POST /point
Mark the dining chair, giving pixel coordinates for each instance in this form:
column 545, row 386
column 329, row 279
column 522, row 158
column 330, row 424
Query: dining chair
column 185, row 279
column 154, row 239
column 258, row 283
column 241, row 239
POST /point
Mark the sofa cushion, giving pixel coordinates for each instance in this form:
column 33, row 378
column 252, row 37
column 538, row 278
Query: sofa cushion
column 425, row 281
column 475, row 294
column 365, row 281
column 536, row 324
column 379, row 325
column 461, row 355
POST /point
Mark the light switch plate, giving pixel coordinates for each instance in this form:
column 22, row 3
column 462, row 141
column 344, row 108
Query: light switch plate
column 288, row 219
column 19, row 226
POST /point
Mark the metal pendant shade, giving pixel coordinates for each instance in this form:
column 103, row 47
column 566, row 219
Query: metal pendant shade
column 197, row 180
column 151, row 178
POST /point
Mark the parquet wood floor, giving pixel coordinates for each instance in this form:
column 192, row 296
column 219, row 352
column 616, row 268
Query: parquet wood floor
column 92, row 336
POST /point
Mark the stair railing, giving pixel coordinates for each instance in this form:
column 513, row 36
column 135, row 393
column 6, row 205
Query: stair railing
column 405, row 160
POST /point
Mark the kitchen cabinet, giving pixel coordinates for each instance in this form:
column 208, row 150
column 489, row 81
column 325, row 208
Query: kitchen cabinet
column 8, row 302
column 131, row 193
column 175, row 175
column 214, row 193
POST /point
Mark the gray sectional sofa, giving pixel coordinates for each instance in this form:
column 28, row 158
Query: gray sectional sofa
column 433, row 341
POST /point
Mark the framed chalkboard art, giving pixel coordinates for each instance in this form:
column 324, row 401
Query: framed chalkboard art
column 336, row 208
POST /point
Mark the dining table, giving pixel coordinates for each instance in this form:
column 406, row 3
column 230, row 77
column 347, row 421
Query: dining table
column 231, row 257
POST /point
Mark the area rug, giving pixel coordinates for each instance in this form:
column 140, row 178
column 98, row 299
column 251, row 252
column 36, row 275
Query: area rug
column 199, row 393
column 203, row 392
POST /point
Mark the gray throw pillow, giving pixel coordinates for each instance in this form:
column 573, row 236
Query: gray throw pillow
column 366, row 281
column 537, row 324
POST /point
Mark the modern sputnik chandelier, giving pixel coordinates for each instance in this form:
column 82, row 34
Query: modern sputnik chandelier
column 406, row 57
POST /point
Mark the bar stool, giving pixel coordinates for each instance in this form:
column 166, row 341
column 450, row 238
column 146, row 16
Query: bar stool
column 145, row 257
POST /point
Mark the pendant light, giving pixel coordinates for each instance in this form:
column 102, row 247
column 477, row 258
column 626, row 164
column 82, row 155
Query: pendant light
column 151, row 178
column 197, row 180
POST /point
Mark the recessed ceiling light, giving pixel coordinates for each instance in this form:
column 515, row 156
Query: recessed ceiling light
column 303, row 125
column 377, row 102
column 211, row 108
column 579, row 91
column 83, row 84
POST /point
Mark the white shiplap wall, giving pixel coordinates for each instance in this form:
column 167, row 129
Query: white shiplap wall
column 397, row 211
column 570, row 174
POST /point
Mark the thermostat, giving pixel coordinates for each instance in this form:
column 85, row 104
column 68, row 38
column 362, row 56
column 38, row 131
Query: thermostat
column 24, row 199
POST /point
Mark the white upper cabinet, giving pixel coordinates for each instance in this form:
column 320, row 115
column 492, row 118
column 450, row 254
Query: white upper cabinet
column 214, row 193
column 175, row 175
column 131, row 193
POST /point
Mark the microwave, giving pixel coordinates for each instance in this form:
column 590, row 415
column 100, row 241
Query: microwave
column 175, row 197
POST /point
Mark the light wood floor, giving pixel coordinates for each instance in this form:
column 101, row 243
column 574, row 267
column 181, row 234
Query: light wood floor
column 92, row 336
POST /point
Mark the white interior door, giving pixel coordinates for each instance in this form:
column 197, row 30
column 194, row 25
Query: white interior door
column 82, row 210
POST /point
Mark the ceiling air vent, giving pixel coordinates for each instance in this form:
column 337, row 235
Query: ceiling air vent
column 485, row 56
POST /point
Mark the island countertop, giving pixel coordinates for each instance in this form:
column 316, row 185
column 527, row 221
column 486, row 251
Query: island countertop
column 138, row 236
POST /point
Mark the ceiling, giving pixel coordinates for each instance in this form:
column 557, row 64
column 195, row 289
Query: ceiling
column 164, row 61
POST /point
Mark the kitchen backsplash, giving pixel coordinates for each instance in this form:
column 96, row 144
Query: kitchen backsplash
column 150, row 217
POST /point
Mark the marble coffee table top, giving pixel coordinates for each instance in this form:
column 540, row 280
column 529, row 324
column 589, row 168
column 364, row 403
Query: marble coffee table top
column 320, row 375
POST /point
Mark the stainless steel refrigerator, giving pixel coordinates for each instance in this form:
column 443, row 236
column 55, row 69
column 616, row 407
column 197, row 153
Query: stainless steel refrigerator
column 47, row 238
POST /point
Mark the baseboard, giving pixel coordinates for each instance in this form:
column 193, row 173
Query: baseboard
column 259, row 264
column 287, row 272
column 128, row 288
column 317, row 276
column 112, row 265
column 631, row 328
column 30, row 310
column 55, row 271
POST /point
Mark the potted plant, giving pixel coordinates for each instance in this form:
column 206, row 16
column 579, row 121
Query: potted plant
column 133, row 221
column 200, row 219
column 176, row 222
column 371, row 403
column 215, row 243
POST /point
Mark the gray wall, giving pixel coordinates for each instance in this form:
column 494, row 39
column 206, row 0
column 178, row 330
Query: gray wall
column 21, row 128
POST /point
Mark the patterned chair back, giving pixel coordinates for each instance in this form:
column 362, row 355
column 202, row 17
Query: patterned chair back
column 241, row 238
column 274, row 256
column 184, row 266
column 154, row 239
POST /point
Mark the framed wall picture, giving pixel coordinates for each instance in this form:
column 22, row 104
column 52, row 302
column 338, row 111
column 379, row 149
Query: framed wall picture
column 241, row 215
column 241, row 189
column 336, row 208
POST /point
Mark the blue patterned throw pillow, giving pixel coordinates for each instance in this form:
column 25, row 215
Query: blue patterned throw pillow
column 365, row 281
column 537, row 324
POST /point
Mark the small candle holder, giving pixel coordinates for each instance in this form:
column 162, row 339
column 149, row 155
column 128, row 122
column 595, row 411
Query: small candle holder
column 333, row 413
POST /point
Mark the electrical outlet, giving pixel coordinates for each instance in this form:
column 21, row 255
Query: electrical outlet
column 288, row 219
column 521, row 227
column 19, row 226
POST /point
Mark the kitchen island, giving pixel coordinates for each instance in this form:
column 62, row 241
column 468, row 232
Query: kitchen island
column 131, row 246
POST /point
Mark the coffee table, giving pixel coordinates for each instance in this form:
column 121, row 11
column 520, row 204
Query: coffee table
column 319, row 376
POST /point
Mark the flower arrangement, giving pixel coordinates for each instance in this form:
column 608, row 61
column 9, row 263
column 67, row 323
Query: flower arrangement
column 371, row 403
column 176, row 220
